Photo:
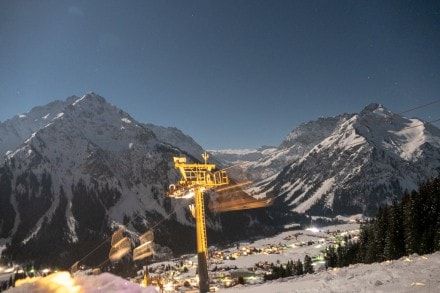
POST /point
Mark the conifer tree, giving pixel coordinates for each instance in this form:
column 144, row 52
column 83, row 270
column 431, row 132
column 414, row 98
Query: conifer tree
column 437, row 236
column 363, row 241
column 330, row 257
column 432, row 214
column 409, row 230
column 371, row 249
column 380, row 229
column 406, row 227
column 241, row 280
column 299, row 268
column 308, row 267
column 289, row 268
column 394, row 245
column 293, row 265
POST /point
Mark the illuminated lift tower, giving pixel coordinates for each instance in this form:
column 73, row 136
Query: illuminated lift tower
column 196, row 179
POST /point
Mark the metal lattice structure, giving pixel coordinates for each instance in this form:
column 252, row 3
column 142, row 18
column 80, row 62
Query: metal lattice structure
column 196, row 179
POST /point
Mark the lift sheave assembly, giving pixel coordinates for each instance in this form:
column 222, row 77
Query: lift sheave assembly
column 197, row 178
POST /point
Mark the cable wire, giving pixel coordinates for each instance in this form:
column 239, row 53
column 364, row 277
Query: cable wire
column 419, row 107
column 137, row 217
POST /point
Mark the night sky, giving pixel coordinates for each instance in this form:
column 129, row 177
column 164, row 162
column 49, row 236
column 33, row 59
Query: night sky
column 231, row 74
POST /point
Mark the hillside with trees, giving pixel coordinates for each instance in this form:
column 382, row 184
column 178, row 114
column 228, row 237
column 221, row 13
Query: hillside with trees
column 409, row 226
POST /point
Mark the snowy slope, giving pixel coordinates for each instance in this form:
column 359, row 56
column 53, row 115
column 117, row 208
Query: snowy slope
column 408, row 274
column 15, row 131
column 96, row 142
column 88, row 168
column 263, row 164
column 368, row 158
column 89, row 151
column 297, row 143
column 175, row 137
column 233, row 156
column 349, row 164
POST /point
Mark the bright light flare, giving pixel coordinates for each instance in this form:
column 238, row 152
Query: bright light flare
column 313, row 229
column 60, row 282
column 9, row 270
column 168, row 286
column 188, row 195
column 28, row 280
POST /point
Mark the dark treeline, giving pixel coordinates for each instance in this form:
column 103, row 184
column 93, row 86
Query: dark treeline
column 403, row 228
column 291, row 268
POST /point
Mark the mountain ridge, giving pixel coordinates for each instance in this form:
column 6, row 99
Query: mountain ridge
column 88, row 169
column 84, row 166
column 367, row 160
column 316, row 158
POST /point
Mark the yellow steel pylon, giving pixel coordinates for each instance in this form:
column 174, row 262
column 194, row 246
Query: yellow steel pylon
column 196, row 179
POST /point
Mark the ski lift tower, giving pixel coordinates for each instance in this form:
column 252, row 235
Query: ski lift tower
column 196, row 179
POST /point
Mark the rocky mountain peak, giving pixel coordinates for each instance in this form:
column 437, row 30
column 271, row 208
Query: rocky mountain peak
column 377, row 111
column 93, row 104
column 313, row 131
column 372, row 107
column 72, row 99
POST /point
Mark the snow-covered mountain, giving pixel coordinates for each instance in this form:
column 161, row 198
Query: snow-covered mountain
column 74, row 169
column 352, row 163
column 262, row 164
column 234, row 156
column 348, row 164
column 15, row 131
column 175, row 137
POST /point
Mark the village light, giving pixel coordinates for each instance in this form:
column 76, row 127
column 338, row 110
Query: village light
column 9, row 270
column 313, row 229
column 45, row 271
column 168, row 286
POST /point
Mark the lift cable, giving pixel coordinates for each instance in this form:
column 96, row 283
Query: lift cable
column 137, row 217
column 419, row 107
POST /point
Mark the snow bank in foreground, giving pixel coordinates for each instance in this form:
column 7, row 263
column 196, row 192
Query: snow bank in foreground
column 408, row 274
column 63, row 282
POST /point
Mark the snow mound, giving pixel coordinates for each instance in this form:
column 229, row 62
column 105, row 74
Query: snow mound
column 408, row 274
column 63, row 282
